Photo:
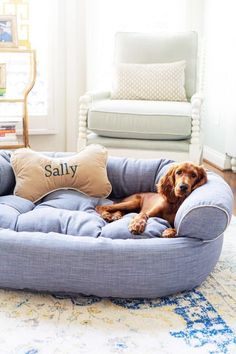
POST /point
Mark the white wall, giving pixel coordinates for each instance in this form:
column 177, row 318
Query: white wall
column 220, row 74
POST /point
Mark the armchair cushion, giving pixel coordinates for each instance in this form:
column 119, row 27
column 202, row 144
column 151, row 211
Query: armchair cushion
column 159, row 82
column 161, row 120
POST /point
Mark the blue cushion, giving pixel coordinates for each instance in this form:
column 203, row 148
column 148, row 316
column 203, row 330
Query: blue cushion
column 207, row 211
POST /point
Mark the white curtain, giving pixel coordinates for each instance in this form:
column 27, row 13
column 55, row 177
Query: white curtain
column 47, row 33
column 58, row 33
column 40, row 39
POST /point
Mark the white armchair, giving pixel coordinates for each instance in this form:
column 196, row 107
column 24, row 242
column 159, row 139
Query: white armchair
column 144, row 128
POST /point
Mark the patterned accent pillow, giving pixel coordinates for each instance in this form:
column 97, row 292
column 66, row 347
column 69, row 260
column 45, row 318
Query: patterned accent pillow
column 38, row 175
column 156, row 82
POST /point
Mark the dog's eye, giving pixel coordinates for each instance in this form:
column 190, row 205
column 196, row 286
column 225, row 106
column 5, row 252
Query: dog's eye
column 179, row 172
column 193, row 175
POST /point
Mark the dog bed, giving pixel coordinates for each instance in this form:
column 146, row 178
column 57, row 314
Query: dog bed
column 60, row 244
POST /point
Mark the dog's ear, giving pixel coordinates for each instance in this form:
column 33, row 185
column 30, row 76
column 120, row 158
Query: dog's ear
column 202, row 177
column 166, row 184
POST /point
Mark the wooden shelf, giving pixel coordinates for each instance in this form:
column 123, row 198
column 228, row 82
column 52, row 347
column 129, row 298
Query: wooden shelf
column 10, row 147
column 11, row 100
column 24, row 98
column 16, row 50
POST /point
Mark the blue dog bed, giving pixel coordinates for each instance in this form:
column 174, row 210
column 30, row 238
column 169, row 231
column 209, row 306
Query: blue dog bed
column 60, row 244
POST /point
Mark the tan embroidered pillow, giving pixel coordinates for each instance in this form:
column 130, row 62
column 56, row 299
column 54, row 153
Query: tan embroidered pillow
column 156, row 82
column 37, row 175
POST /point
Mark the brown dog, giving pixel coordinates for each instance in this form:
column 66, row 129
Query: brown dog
column 172, row 189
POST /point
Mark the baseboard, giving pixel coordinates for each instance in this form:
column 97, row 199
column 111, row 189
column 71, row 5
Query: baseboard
column 220, row 160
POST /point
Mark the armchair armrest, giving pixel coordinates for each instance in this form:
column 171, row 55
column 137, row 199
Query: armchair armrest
column 196, row 100
column 85, row 102
column 195, row 149
column 91, row 96
column 100, row 95
column 207, row 211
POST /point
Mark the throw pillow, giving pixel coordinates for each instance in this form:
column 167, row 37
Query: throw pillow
column 37, row 175
column 156, row 82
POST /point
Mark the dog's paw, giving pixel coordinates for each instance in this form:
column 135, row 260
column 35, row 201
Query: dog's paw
column 169, row 233
column 101, row 208
column 105, row 214
column 138, row 224
column 117, row 215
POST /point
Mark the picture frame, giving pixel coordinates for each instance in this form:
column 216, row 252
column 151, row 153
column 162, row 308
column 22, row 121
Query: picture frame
column 8, row 31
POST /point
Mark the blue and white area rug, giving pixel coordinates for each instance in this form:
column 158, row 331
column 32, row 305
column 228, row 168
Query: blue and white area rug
column 199, row 322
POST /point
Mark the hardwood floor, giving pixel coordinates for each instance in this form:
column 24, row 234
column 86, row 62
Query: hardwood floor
column 228, row 176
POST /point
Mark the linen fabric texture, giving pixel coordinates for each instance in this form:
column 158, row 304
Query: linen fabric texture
column 155, row 82
column 60, row 244
column 37, row 175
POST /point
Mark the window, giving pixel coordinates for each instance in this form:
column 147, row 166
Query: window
column 37, row 23
column 42, row 34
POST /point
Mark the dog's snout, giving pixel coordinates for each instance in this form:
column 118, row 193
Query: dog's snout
column 183, row 187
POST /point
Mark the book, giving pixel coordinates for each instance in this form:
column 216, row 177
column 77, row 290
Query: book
column 7, row 131
column 10, row 119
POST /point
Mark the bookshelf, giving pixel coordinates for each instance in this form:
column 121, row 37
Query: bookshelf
column 22, row 99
